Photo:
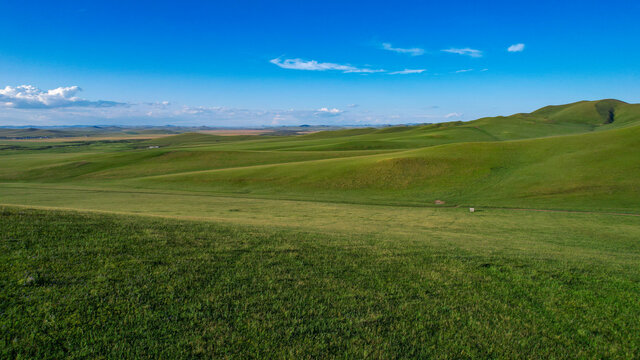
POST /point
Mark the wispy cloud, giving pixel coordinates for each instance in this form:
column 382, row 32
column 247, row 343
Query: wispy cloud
column 30, row 97
column 463, row 71
column 411, row 51
column 433, row 116
column 407, row 71
column 516, row 48
column 312, row 65
column 465, row 51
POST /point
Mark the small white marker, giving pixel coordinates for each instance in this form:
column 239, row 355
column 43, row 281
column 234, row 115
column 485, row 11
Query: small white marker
column 472, row 209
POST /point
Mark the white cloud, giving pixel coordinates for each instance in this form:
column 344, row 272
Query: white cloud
column 312, row 65
column 30, row 97
column 453, row 114
column 407, row 71
column 516, row 48
column 332, row 111
column 463, row 71
column 466, row 51
column 329, row 112
column 411, row 51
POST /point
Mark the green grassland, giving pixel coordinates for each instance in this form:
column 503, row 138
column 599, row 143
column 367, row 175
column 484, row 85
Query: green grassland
column 329, row 244
column 577, row 156
column 497, row 285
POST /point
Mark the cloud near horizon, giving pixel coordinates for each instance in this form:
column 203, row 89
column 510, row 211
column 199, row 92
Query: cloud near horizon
column 516, row 48
column 331, row 112
column 411, row 51
column 28, row 106
column 465, row 51
column 313, row 65
column 30, row 97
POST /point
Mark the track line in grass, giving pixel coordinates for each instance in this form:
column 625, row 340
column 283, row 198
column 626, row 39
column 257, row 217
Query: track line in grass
column 224, row 195
column 560, row 211
column 267, row 165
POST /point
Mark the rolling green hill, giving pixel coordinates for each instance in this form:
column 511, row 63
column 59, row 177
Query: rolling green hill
column 576, row 156
column 558, row 172
column 32, row 133
column 580, row 117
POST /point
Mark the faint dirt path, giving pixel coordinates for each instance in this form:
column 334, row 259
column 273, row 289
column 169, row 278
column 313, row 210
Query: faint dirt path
column 560, row 211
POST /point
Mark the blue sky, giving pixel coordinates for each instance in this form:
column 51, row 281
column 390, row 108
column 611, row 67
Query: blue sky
column 253, row 63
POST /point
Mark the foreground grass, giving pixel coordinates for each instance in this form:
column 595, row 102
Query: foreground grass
column 106, row 286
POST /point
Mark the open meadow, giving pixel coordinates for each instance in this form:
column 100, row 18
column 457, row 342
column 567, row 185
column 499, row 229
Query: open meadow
column 352, row 243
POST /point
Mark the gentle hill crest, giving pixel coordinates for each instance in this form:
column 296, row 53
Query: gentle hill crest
column 553, row 120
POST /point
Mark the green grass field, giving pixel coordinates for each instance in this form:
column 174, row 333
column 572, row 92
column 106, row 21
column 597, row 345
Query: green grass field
column 329, row 244
column 500, row 284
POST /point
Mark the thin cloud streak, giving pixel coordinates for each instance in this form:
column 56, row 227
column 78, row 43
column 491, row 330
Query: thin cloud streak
column 407, row 71
column 411, row 51
column 313, row 65
column 465, row 51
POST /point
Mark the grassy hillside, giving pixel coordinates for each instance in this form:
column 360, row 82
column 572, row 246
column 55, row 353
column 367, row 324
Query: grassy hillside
column 558, row 172
column 573, row 118
column 576, row 156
